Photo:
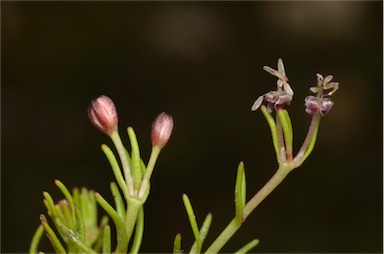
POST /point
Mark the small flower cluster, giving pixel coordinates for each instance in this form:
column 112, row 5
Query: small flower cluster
column 284, row 93
column 314, row 104
column 281, row 127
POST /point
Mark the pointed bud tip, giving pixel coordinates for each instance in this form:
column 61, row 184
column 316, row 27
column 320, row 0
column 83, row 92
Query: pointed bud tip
column 162, row 128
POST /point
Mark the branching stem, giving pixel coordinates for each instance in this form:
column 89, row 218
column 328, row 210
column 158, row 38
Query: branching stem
column 233, row 226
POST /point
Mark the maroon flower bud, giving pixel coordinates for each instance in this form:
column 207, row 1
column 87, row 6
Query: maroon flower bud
column 314, row 104
column 103, row 115
column 326, row 106
column 161, row 130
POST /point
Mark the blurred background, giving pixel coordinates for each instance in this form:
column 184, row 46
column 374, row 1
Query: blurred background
column 202, row 63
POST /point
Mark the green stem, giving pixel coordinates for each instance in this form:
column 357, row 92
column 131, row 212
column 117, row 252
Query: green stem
column 116, row 169
column 248, row 247
column 121, row 234
column 138, row 232
column 36, row 239
column 240, row 192
column 53, row 210
column 135, row 159
column 124, row 161
column 272, row 126
column 276, row 179
column 192, row 222
column 148, row 173
column 56, row 244
column 119, row 203
column 177, row 244
column 63, row 206
column 233, row 226
column 74, row 239
column 67, row 195
column 133, row 208
column 309, row 142
column 203, row 233
column 106, row 240
column 286, row 125
column 280, row 138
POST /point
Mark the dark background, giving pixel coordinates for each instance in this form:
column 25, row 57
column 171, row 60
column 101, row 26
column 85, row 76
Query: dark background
column 201, row 63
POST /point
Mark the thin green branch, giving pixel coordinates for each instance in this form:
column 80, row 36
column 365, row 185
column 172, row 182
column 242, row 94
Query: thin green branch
column 272, row 126
column 233, row 226
column 106, row 240
column 123, row 154
column 74, row 238
column 122, row 238
column 36, row 239
column 203, row 233
column 119, row 203
column 286, row 125
column 135, row 160
column 139, row 230
column 310, row 140
column 144, row 189
column 67, row 195
column 240, row 192
column 133, row 208
column 116, row 170
column 192, row 221
column 67, row 214
column 177, row 244
column 55, row 242
column 53, row 210
column 248, row 247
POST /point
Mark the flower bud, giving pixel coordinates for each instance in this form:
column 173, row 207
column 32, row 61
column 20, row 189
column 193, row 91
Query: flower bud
column 103, row 115
column 326, row 106
column 161, row 130
column 314, row 104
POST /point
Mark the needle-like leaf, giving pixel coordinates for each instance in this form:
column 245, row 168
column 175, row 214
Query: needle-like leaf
column 192, row 221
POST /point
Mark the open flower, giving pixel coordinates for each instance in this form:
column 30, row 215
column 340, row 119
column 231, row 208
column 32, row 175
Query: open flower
column 325, row 84
column 282, row 82
column 319, row 103
column 284, row 93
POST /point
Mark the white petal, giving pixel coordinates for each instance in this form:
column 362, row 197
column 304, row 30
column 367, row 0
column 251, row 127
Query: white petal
column 271, row 71
column 280, row 67
column 319, row 78
column 280, row 83
column 257, row 103
column 314, row 89
column 288, row 89
column 335, row 88
column 327, row 79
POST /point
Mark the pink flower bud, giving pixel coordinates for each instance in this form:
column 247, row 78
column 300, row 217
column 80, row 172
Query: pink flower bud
column 326, row 106
column 103, row 115
column 314, row 105
column 161, row 130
